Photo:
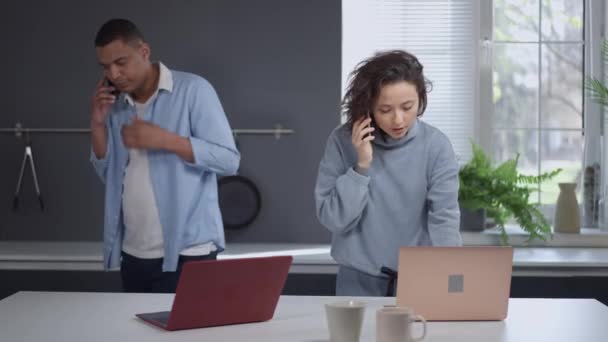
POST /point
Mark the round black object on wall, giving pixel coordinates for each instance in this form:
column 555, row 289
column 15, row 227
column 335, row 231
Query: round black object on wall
column 240, row 201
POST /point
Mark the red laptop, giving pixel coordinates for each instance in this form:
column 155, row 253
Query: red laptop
column 222, row 292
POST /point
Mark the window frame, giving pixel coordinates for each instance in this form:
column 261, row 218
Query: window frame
column 592, row 126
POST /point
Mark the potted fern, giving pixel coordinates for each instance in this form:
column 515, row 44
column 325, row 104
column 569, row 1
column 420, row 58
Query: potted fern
column 502, row 192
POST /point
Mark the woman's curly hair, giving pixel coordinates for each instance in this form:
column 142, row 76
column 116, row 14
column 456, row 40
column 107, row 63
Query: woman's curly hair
column 372, row 74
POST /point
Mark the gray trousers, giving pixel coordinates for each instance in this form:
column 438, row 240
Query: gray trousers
column 351, row 282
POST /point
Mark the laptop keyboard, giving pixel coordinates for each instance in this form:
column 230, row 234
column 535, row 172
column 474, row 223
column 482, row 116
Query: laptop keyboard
column 161, row 317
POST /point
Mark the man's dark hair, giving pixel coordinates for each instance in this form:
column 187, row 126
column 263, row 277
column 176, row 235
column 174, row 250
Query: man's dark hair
column 371, row 75
column 115, row 29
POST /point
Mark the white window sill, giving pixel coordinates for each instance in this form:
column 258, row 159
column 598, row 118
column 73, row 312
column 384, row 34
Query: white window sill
column 588, row 237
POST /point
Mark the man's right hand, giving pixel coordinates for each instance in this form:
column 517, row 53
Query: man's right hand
column 362, row 141
column 101, row 103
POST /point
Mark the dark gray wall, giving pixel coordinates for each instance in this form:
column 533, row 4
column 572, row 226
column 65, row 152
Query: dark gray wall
column 271, row 61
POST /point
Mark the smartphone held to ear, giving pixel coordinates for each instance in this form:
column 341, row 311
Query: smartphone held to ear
column 115, row 91
column 371, row 124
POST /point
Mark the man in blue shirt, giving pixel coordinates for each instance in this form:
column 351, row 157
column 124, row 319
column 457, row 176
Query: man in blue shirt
column 159, row 139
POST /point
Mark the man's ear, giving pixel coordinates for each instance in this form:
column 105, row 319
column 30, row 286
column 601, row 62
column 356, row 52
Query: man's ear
column 145, row 50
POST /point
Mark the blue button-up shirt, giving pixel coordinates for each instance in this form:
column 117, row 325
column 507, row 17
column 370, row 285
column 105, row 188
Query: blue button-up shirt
column 186, row 193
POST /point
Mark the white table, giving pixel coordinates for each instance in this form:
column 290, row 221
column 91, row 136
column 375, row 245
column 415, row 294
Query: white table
column 103, row 317
column 308, row 258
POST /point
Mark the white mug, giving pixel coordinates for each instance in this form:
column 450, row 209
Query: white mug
column 344, row 320
column 395, row 324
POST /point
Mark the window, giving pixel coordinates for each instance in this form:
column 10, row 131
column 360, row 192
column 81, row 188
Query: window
column 537, row 82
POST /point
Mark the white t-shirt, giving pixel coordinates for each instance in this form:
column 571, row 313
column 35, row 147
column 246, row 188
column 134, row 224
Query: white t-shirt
column 143, row 233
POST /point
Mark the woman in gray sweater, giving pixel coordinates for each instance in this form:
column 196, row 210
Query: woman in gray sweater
column 387, row 179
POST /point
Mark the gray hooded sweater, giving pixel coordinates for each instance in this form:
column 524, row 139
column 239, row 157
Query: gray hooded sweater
column 409, row 197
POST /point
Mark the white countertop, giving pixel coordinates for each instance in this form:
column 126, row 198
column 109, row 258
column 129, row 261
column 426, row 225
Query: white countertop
column 308, row 258
column 103, row 317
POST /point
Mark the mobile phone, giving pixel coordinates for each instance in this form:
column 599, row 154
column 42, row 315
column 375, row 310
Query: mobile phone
column 109, row 83
column 371, row 124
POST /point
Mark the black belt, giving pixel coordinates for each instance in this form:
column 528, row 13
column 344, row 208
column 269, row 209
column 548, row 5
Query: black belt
column 392, row 278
